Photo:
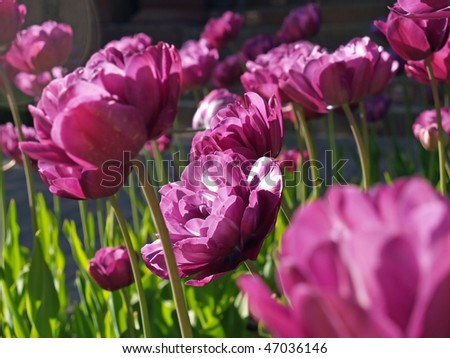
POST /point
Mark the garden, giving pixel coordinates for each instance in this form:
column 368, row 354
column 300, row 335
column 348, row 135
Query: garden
column 241, row 220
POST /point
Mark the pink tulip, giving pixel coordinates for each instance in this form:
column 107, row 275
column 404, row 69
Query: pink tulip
column 425, row 128
column 12, row 16
column 358, row 264
column 94, row 121
column 9, row 140
column 424, row 9
column 39, row 48
column 33, row 85
column 301, row 23
column 219, row 31
column 414, row 39
column 251, row 129
column 198, row 61
column 214, row 216
column 441, row 64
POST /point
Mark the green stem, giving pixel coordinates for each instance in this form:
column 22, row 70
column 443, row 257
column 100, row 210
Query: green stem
column 301, row 123
column 57, row 208
column 133, row 202
column 332, row 138
column 365, row 126
column 84, row 225
column 162, row 175
column 2, row 209
column 441, row 142
column 365, row 166
column 174, row 277
column 286, row 209
column 446, row 95
column 130, row 316
column 251, row 267
column 26, row 160
column 100, row 220
column 134, row 265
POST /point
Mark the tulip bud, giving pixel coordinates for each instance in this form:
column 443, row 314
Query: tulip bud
column 301, row 23
column 111, row 268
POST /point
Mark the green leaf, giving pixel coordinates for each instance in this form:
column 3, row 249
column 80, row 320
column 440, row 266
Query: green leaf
column 43, row 303
column 76, row 245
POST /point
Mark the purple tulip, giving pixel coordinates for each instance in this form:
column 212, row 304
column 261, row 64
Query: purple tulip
column 358, row 264
column 210, row 105
column 228, row 71
column 131, row 44
column 39, row 48
column 290, row 159
column 214, row 216
column 111, row 268
column 441, row 67
column 219, row 31
column 263, row 74
column 252, row 129
column 9, row 140
column 301, row 23
column 33, row 85
column 414, row 39
column 12, row 16
column 94, row 121
column 424, row 9
column 258, row 45
column 377, row 107
column 425, row 127
column 163, row 142
column 198, row 61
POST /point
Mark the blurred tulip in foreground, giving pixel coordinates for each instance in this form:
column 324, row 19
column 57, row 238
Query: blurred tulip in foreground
column 358, row 264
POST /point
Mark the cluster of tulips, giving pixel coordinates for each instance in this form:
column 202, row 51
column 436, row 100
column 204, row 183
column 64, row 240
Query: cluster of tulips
column 367, row 260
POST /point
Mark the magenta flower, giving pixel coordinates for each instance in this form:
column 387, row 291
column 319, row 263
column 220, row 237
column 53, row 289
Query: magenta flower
column 290, row 159
column 301, row 23
column 354, row 71
column 198, row 61
column 227, row 72
column 214, row 216
column 9, row 140
column 131, row 44
column 33, row 85
column 252, row 129
column 163, row 143
column 219, row 31
column 12, row 16
column 441, row 67
column 358, row 264
column 263, row 74
column 425, row 9
column 414, row 39
column 377, row 107
column 111, row 268
column 258, row 45
column 210, row 105
column 39, row 48
column 93, row 122
column 425, row 127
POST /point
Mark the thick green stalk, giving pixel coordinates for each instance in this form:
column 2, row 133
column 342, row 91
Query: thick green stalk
column 302, row 125
column 84, row 225
column 365, row 125
column 441, row 142
column 162, row 175
column 174, row 277
column 2, row 209
column 365, row 166
column 133, row 202
column 134, row 265
column 26, row 161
